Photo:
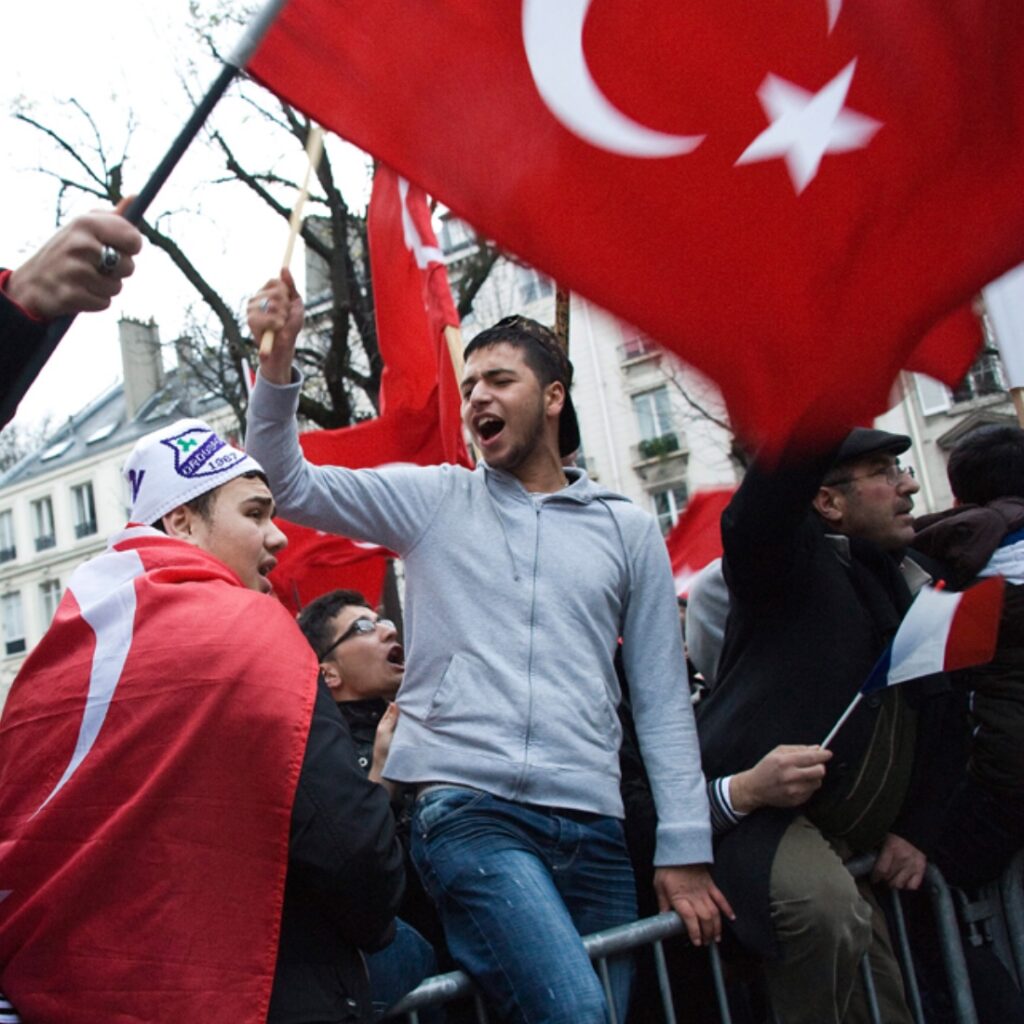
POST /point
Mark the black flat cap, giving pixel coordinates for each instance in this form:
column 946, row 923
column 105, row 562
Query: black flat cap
column 863, row 441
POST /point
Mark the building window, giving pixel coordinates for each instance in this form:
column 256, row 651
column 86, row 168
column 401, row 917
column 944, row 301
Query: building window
column 8, row 548
column 14, row 624
column 49, row 598
column 42, row 518
column 932, row 395
column 532, row 286
column 85, row 510
column 653, row 412
column 985, row 377
column 456, row 235
column 668, row 506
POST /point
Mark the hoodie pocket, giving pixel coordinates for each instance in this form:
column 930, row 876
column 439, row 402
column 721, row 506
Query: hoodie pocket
column 447, row 689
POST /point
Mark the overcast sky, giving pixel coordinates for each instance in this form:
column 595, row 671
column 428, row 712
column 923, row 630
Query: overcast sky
column 124, row 59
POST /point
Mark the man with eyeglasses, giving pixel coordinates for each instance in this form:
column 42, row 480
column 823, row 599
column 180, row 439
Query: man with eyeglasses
column 819, row 578
column 362, row 664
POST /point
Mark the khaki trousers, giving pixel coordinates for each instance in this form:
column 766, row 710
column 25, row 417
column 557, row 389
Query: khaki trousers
column 825, row 922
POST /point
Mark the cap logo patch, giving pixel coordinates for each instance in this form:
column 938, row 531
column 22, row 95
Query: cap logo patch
column 196, row 457
column 135, row 482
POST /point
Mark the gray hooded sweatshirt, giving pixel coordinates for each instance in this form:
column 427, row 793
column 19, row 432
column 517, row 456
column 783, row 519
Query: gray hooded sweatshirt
column 515, row 603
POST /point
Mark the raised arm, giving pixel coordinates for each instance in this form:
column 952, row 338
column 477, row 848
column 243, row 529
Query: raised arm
column 390, row 506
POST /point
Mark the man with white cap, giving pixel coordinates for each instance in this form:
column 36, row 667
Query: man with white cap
column 184, row 829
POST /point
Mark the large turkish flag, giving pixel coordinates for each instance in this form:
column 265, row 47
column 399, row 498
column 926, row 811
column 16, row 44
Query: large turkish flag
column 788, row 193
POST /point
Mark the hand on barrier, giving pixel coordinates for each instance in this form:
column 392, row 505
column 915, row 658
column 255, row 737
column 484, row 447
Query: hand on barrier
column 690, row 891
column 900, row 864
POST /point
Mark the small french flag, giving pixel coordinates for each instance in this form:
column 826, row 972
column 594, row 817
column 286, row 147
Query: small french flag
column 941, row 632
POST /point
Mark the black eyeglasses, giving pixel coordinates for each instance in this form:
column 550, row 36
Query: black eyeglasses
column 360, row 627
column 892, row 473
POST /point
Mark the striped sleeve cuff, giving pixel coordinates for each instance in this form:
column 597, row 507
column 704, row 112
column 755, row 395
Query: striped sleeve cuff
column 7, row 1013
column 723, row 815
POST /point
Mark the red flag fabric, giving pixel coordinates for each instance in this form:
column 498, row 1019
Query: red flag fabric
column 696, row 539
column 316, row 562
column 149, row 752
column 788, row 194
column 950, row 347
column 419, row 397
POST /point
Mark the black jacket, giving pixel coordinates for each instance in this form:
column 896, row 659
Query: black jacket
column 808, row 619
column 19, row 338
column 964, row 539
column 344, row 883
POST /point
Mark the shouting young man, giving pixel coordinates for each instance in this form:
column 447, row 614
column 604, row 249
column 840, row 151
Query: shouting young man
column 521, row 577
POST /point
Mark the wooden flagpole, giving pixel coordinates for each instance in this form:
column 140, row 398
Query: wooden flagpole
column 453, row 338
column 314, row 150
column 1017, row 394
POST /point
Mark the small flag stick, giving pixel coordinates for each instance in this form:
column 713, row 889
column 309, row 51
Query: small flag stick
column 842, row 718
column 314, row 148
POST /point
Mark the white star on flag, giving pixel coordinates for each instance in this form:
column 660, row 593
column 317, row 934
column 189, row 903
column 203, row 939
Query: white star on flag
column 805, row 126
column 834, row 7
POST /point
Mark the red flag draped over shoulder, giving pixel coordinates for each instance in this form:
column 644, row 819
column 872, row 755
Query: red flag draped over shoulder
column 788, row 194
column 149, row 754
column 419, row 400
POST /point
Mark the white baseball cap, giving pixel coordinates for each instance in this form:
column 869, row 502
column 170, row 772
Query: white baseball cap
column 177, row 463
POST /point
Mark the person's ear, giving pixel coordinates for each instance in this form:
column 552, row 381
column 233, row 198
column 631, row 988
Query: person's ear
column 178, row 523
column 554, row 398
column 829, row 503
column 332, row 676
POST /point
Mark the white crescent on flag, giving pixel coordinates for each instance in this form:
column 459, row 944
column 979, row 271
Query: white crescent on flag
column 553, row 37
column 103, row 588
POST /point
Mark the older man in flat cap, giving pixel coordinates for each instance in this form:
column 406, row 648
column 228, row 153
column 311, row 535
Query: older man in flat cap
column 815, row 561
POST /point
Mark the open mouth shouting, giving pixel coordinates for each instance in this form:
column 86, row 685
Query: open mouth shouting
column 487, row 428
column 396, row 656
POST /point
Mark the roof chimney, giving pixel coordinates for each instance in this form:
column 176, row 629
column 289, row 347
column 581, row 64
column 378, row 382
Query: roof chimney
column 141, row 361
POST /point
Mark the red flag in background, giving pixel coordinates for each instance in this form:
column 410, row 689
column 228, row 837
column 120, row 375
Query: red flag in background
column 315, row 563
column 419, row 419
column 788, row 194
column 950, row 347
column 696, row 539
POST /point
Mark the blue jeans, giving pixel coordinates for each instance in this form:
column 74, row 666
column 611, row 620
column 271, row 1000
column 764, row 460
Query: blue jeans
column 516, row 886
column 399, row 967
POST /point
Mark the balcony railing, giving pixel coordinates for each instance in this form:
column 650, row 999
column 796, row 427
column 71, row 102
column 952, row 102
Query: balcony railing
column 8, row 554
column 49, row 541
column 86, row 529
column 637, row 348
column 657, row 447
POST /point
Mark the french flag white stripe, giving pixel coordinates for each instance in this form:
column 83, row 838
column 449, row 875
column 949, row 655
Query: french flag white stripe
column 105, row 592
column 919, row 647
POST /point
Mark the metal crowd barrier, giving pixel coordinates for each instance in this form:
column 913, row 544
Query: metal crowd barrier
column 653, row 931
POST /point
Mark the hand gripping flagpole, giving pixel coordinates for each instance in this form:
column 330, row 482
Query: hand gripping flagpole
column 58, row 327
